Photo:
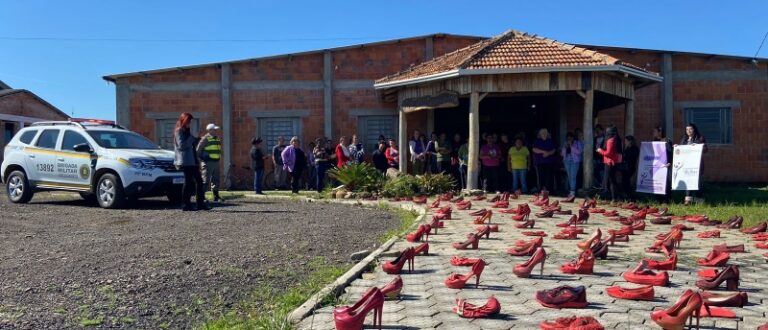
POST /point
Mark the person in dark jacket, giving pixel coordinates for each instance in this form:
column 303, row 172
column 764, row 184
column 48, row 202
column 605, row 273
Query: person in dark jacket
column 692, row 137
column 185, row 158
column 379, row 158
column 629, row 165
column 322, row 162
column 257, row 164
column 294, row 161
column 658, row 136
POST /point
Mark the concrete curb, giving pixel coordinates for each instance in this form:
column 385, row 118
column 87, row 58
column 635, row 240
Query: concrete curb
column 344, row 280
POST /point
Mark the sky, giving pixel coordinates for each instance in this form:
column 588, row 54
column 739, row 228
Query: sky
column 61, row 49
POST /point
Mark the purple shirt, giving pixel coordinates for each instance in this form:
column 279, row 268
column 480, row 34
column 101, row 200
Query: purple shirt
column 546, row 145
column 493, row 154
column 289, row 158
column 576, row 150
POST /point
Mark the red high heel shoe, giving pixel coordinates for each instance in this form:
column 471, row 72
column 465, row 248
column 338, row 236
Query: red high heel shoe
column 462, row 261
column 483, row 218
column 573, row 322
column 393, row 288
column 524, row 270
column 352, row 318
column 494, row 228
column 467, row 310
column 458, row 281
column 416, row 236
column 520, row 208
column 423, row 248
column 642, row 275
column 755, row 229
column 570, row 222
column 545, row 214
column 641, row 293
column 563, row 297
column 714, row 259
column 435, row 224
column 725, row 299
column 502, row 204
column 435, row 204
column 524, row 243
column 734, row 222
column 396, row 266
column 729, row 248
column 585, row 245
column 482, row 231
column 709, row 234
column 522, row 216
column 600, row 250
column 661, row 221
column 730, row 275
column 669, row 264
column 478, row 198
column 463, row 205
column 638, row 225
column 582, row 265
column 477, row 213
column 675, row 317
column 527, row 223
column 472, row 241
column 527, row 249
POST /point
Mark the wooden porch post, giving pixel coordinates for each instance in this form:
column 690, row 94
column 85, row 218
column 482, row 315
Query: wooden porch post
column 589, row 147
column 402, row 140
column 629, row 117
column 473, row 168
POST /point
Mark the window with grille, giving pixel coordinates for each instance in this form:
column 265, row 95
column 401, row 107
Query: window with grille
column 371, row 127
column 714, row 123
column 271, row 128
column 164, row 131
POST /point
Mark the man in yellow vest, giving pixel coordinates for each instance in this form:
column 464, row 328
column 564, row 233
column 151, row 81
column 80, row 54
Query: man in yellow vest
column 209, row 151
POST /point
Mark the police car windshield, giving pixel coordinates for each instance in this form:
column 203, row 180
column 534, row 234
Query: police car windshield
column 121, row 140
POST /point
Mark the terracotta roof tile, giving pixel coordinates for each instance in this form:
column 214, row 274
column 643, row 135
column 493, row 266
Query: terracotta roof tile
column 510, row 50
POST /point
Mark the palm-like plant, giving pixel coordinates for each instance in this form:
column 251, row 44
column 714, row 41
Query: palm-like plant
column 358, row 177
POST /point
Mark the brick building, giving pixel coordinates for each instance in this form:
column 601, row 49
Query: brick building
column 19, row 108
column 331, row 93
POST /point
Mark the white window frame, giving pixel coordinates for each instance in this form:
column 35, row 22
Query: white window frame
column 725, row 136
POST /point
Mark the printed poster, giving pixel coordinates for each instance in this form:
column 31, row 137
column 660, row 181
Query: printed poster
column 652, row 169
column 686, row 164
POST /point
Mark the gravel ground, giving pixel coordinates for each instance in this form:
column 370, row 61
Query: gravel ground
column 64, row 264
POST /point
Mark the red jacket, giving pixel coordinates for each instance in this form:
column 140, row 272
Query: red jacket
column 341, row 158
column 611, row 154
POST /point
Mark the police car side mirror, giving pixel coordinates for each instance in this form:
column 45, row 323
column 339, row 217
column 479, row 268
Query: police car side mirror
column 83, row 147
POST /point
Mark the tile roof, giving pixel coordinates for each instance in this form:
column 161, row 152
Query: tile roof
column 510, row 50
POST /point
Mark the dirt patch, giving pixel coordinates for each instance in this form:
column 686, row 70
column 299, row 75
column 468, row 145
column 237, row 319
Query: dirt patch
column 66, row 264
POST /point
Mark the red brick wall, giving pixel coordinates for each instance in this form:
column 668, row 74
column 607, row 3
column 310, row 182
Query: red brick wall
column 27, row 105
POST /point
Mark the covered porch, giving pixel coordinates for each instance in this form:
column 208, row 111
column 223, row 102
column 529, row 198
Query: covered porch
column 519, row 82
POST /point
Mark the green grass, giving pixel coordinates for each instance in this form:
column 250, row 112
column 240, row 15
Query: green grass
column 87, row 322
column 407, row 219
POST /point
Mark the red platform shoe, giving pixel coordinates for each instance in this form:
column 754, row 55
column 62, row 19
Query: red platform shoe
column 524, row 270
column 715, row 259
column 669, row 264
column 563, row 297
column 462, row 261
column 352, row 318
column 709, row 234
column 467, row 310
column 458, row 281
column 526, row 250
column 393, row 288
column 755, row 229
column 396, row 266
column 675, row 317
column 641, row 293
column 642, row 275
column 586, row 244
column 471, row 243
column 526, row 224
column 571, row 323
column 582, row 265
column 421, row 231
column 730, row 275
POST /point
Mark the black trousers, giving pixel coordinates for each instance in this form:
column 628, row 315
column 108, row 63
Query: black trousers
column 491, row 177
column 626, row 181
column 193, row 185
column 609, row 181
column 546, row 176
column 295, row 179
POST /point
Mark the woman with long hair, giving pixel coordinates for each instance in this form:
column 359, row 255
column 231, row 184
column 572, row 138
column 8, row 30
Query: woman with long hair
column 658, row 136
column 692, row 137
column 629, row 165
column 611, row 152
column 186, row 159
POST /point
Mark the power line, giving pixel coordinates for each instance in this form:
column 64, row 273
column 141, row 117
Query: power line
column 186, row 40
column 761, row 45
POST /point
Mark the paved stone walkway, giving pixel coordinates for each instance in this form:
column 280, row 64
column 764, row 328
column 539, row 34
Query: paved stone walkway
column 426, row 303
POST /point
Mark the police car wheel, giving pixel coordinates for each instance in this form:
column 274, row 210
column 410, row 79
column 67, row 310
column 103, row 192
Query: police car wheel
column 109, row 191
column 18, row 187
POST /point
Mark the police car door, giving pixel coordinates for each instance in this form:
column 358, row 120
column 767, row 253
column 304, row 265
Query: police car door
column 43, row 157
column 74, row 168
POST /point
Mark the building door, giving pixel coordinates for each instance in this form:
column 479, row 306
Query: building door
column 369, row 129
column 271, row 128
column 74, row 168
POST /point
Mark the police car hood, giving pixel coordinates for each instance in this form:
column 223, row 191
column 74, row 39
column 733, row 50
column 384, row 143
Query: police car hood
column 158, row 154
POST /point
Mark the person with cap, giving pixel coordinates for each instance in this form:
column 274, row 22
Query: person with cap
column 257, row 164
column 209, row 151
column 277, row 162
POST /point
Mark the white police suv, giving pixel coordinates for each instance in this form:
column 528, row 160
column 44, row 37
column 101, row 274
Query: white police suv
column 97, row 158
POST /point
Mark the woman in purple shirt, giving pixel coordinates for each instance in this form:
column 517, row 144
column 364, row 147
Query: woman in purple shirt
column 572, row 153
column 544, row 159
column 490, row 155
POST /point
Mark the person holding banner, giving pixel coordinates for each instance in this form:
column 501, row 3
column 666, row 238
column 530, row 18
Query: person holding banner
column 629, row 165
column 693, row 137
column 611, row 152
column 658, row 136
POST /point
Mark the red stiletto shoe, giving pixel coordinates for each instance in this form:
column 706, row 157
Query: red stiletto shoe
column 756, row 229
column 393, row 288
column 478, row 213
column 585, row 245
column 570, row 222
column 739, row 248
column 613, row 237
column 725, row 299
column 734, row 222
column 435, row 224
column 709, row 234
column 675, row 317
column 582, row 265
column 526, row 250
column 545, row 214
column 583, row 217
column 623, row 231
column 472, row 241
column 526, row 224
column 563, row 297
column 482, row 231
column 573, row 322
column 669, row 264
column 458, row 281
column 396, row 266
column 494, row 228
column 352, row 318
column 423, row 249
column 641, row 293
column 462, row 261
column 502, row 204
column 467, row 310
column 642, row 275
column 589, row 203
column 523, row 215
column 730, row 276
column 483, row 218
column 524, row 270
column 600, row 250
column 442, row 216
column 416, row 236
column 715, row 258
column 538, row 233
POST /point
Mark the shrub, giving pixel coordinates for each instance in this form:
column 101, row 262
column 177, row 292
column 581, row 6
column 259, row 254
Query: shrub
column 435, row 184
column 358, row 177
column 401, row 186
